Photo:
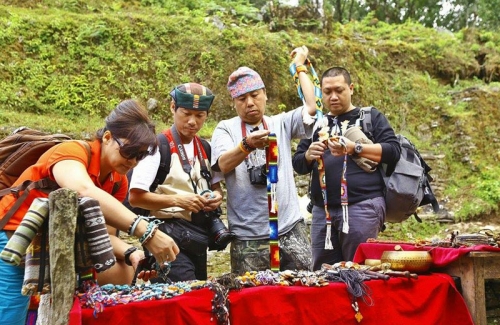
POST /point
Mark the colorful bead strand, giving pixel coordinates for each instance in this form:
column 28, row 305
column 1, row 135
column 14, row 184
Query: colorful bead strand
column 272, row 180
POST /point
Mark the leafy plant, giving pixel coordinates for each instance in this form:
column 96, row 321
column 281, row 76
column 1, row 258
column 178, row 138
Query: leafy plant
column 65, row 65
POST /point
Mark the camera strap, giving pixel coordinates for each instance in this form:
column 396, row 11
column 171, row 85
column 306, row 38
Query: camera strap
column 320, row 121
column 272, row 200
column 198, row 152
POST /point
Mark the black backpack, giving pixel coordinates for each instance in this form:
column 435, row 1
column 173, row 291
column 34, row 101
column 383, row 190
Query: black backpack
column 162, row 171
column 408, row 185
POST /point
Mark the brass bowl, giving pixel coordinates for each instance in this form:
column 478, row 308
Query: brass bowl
column 413, row 261
column 372, row 262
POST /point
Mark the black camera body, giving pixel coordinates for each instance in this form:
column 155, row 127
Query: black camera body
column 218, row 234
column 258, row 175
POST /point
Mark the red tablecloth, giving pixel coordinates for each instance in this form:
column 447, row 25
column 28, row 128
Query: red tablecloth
column 430, row 299
column 441, row 256
column 193, row 307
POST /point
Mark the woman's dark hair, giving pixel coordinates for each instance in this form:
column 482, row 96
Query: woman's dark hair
column 337, row 71
column 130, row 120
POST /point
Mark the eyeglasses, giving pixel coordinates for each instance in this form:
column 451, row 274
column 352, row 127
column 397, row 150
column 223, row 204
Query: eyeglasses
column 129, row 153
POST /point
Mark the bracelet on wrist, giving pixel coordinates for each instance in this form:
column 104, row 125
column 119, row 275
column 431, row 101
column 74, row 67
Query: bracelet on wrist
column 242, row 148
column 301, row 68
column 150, row 231
column 153, row 232
column 129, row 231
column 135, row 224
column 245, row 144
column 127, row 254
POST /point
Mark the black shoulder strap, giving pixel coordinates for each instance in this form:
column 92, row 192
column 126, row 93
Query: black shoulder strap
column 165, row 160
column 116, row 187
column 205, row 173
column 207, row 148
column 366, row 117
column 161, row 173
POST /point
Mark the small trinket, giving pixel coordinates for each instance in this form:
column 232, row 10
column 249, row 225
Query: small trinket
column 358, row 315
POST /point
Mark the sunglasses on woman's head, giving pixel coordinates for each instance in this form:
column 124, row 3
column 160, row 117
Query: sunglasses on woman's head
column 129, row 152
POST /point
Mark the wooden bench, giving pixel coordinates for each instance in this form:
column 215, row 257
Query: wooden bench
column 473, row 269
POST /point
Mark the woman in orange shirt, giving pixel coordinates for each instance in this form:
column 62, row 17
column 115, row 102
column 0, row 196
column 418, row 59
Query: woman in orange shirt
column 127, row 137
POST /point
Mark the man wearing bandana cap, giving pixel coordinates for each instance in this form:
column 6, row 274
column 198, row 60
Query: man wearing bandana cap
column 238, row 146
column 181, row 195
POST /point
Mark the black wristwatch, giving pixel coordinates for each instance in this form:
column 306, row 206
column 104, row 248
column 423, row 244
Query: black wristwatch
column 357, row 149
column 127, row 254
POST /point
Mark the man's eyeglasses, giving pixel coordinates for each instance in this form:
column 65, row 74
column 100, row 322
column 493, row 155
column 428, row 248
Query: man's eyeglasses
column 129, row 152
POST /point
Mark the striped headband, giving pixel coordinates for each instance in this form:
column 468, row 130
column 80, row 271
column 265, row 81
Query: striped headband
column 192, row 96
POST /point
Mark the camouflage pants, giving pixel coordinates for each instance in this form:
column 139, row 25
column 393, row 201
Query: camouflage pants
column 253, row 255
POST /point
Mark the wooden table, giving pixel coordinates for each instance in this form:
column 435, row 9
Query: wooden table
column 473, row 269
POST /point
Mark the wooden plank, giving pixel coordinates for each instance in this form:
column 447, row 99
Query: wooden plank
column 484, row 254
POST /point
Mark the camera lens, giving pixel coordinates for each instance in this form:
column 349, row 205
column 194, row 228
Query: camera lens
column 219, row 233
column 217, row 228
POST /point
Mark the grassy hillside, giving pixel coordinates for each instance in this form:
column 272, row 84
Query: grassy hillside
column 65, row 64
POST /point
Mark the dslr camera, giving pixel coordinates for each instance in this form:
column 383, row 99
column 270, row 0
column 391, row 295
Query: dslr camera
column 258, row 175
column 218, row 234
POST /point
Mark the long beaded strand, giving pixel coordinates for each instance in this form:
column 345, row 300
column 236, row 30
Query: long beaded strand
column 272, row 180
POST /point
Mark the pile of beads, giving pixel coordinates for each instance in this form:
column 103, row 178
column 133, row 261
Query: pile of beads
column 283, row 278
column 304, row 278
column 98, row 297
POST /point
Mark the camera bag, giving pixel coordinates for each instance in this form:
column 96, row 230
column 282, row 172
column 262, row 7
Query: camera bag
column 189, row 237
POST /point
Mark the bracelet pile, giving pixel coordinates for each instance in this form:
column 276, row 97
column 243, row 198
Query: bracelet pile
column 91, row 295
column 98, row 297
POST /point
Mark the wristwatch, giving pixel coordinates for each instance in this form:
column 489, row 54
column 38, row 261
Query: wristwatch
column 127, row 254
column 357, row 149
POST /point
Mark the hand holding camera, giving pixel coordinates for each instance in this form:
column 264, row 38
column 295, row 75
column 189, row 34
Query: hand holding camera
column 219, row 235
column 258, row 139
column 213, row 200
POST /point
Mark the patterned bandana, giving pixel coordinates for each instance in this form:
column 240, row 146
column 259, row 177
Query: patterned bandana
column 192, row 96
column 244, row 80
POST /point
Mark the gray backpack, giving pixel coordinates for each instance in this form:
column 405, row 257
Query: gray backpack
column 408, row 186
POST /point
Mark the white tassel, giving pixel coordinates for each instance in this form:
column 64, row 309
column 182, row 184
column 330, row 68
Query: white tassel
column 274, row 201
column 328, row 238
column 345, row 216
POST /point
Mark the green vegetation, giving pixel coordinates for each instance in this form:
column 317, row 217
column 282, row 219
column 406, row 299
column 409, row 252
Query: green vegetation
column 65, row 64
